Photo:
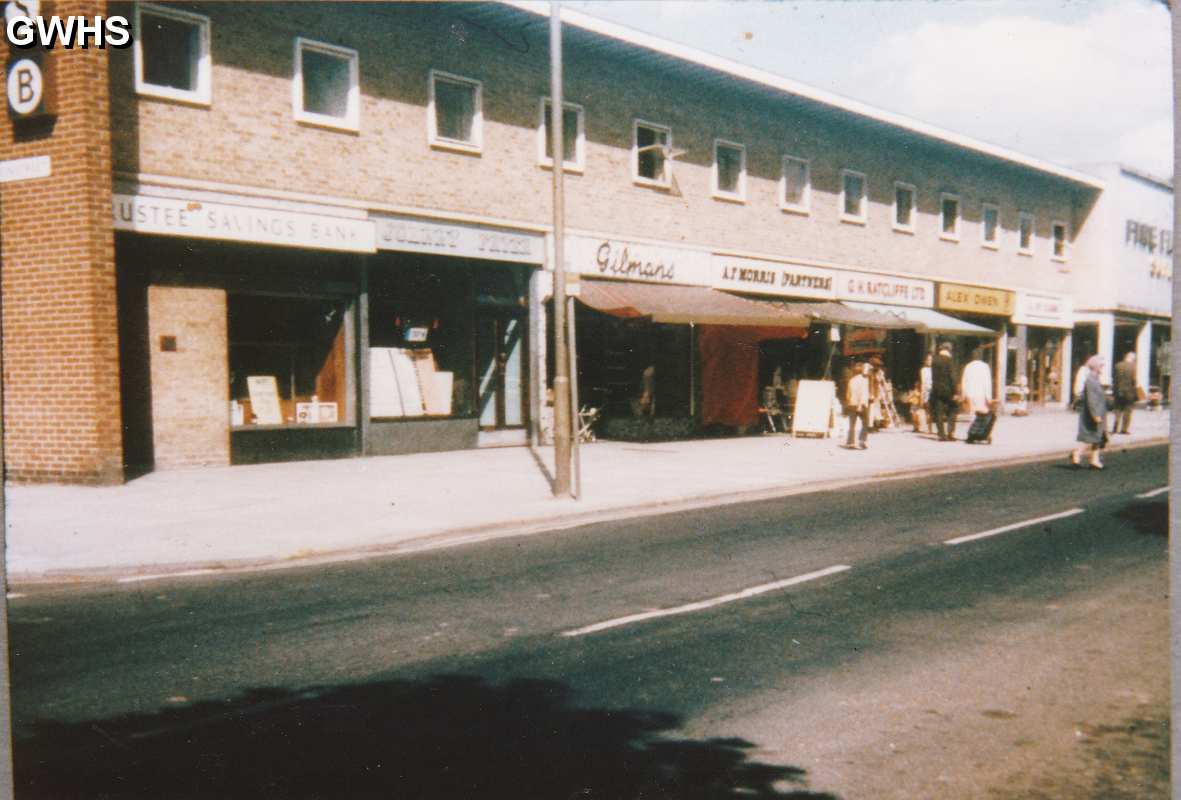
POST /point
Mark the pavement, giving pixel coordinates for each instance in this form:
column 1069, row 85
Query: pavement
column 274, row 516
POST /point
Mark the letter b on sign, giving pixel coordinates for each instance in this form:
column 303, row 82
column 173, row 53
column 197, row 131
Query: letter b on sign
column 28, row 88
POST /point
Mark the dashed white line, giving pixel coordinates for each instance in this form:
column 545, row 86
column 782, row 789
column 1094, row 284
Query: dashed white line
column 166, row 575
column 1153, row 493
column 1015, row 526
column 704, row 604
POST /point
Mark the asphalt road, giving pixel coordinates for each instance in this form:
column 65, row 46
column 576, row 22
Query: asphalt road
column 476, row 672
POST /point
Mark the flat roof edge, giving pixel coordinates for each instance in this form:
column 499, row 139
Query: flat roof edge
column 789, row 86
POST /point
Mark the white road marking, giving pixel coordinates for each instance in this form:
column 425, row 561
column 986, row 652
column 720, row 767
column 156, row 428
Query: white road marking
column 704, row 604
column 1154, row 492
column 15, row 595
column 165, row 575
column 1015, row 526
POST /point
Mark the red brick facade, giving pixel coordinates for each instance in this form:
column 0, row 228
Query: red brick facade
column 61, row 356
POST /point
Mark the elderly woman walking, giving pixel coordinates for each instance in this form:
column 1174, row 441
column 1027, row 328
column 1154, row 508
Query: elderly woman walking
column 1092, row 416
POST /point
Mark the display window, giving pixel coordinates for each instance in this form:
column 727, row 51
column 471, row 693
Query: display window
column 289, row 360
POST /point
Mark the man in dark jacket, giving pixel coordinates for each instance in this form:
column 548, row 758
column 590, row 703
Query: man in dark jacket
column 943, row 405
column 1125, row 393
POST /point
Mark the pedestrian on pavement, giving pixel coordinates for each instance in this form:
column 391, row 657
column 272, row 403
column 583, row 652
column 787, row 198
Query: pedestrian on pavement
column 1092, row 416
column 1125, row 393
column 925, row 391
column 943, row 385
column 857, row 405
column 976, row 384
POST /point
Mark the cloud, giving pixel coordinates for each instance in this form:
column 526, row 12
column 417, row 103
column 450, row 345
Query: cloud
column 1061, row 91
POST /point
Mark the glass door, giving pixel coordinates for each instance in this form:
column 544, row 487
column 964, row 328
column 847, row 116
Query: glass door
column 500, row 371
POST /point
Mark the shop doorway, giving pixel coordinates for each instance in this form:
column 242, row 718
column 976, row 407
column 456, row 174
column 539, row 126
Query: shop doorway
column 501, row 357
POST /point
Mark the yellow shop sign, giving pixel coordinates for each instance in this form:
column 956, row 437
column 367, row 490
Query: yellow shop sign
column 975, row 300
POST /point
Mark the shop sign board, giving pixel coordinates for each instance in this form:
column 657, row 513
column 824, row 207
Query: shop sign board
column 24, row 169
column 204, row 220
column 460, row 239
column 976, row 300
column 869, row 287
column 633, row 261
column 1046, row 310
column 769, row 277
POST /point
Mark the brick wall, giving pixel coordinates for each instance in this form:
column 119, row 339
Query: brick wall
column 248, row 136
column 190, row 385
column 61, row 367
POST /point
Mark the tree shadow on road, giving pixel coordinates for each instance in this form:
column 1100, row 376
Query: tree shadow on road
column 444, row 738
column 1150, row 518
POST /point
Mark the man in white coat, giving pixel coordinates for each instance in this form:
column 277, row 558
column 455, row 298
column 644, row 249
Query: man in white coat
column 976, row 384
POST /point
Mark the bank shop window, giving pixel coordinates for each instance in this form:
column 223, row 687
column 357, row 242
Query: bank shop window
column 1060, row 245
column 326, row 90
column 990, row 226
column 795, row 185
column 949, row 212
column 573, row 136
column 853, row 196
column 651, row 145
column 289, row 360
column 171, row 54
column 729, row 173
column 904, row 207
column 455, row 116
column 1025, row 233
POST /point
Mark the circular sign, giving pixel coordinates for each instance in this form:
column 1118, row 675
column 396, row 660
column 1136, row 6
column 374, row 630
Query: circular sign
column 16, row 9
column 25, row 86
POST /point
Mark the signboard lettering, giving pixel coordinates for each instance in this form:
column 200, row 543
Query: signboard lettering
column 633, row 261
column 868, row 287
column 459, row 239
column 975, row 299
column 770, row 277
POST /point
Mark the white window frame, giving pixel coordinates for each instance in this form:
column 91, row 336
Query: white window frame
column 203, row 94
column 544, row 161
column 805, row 204
column 954, row 234
column 432, row 132
column 994, row 244
column 1054, row 226
column 1021, row 217
column 667, row 181
column 351, row 121
column 914, row 208
column 863, row 217
column 738, row 196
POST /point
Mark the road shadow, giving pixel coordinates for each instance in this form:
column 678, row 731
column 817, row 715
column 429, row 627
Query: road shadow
column 443, row 738
column 1150, row 518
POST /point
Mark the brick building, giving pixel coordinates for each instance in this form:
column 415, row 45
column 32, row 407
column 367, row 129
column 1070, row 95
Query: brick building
column 275, row 231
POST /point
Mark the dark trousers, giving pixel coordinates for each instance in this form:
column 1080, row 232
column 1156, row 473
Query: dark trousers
column 854, row 415
column 943, row 410
column 1122, row 418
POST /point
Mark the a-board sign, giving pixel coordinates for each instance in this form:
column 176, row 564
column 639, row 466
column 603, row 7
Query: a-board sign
column 264, row 399
column 813, row 410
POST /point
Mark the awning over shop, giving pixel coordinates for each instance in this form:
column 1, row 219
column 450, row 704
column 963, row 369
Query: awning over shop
column 847, row 314
column 684, row 304
column 930, row 319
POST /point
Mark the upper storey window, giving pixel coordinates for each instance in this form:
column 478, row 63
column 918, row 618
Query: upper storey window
column 455, row 117
column 904, row 207
column 990, row 225
column 326, row 90
column 171, row 54
column 651, row 145
column 853, row 196
column 573, row 136
column 795, row 185
column 949, row 209
column 729, row 174
column 1025, row 233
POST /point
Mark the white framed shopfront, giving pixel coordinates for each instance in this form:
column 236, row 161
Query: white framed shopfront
column 1039, row 346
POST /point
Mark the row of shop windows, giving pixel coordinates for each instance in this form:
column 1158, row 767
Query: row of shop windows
column 173, row 61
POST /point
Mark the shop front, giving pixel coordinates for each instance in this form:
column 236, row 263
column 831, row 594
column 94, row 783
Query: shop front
column 989, row 310
column 1038, row 357
column 447, row 350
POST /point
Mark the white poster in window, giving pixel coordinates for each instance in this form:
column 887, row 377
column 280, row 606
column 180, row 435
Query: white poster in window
column 264, row 399
column 394, row 389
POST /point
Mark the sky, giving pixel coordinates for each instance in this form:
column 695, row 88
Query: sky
column 1069, row 81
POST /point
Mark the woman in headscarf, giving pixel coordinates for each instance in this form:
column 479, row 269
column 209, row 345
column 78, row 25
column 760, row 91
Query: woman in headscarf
column 1092, row 416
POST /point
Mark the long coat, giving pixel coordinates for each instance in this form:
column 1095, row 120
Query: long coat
column 942, row 378
column 1125, row 384
column 1094, row 406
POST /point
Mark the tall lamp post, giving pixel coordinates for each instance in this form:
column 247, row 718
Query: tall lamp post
column 561, row 354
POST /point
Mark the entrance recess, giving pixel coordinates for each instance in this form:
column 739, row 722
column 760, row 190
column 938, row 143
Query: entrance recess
column 500, row 370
